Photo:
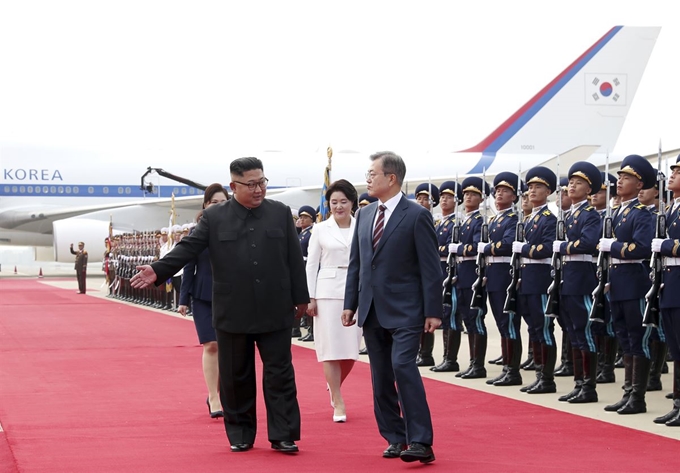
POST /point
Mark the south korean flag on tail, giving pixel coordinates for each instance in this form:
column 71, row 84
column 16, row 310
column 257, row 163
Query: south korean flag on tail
column 605, row 89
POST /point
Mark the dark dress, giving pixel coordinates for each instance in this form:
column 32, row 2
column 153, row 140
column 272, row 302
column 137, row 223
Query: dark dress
column 197, row 289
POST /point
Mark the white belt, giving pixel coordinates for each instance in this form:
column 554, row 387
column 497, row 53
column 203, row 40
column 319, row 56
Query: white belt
column 586, row 258
column 535, row 261
column 625, row 261
column 668, row 261
column 333, row 267
column 498, row 259
column 465, row 258
column 443, row 258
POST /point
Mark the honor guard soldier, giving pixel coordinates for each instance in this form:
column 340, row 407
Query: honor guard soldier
column 475, row 190
column 80, row 266
column 657, row 341
column 427, row 195
column 306, row 219
column 365, row 199
column 536, row 251
column 583, row 228
column 498, row 253
column 450, row 196
column 606, row 337
column 669, row 300
column 566, row 367
column 633, row 230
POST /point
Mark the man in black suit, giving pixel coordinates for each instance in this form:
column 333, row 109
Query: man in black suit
column 259, row 286
column 394, row 287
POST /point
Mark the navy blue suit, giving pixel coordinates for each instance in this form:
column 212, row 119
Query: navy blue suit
column 501, row 235
column 393, row 290
column 470, row 236
column 633, row 228
column 583, row 229
column 197, row 289
column 539, row 235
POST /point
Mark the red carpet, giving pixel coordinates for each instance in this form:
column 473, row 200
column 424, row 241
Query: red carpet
column 94, row 385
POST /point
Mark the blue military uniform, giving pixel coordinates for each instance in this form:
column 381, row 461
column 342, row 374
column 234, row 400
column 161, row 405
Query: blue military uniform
column 452, row 327
column 669, row 301
column 498, row 251
column 470, row 236
column 425, row 357
column 305, row 235
column 365, row 199
column 539, row 234
column 583, row 229
column 633, row 230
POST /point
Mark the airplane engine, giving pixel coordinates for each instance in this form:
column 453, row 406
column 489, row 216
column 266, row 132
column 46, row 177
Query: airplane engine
column 74, row 230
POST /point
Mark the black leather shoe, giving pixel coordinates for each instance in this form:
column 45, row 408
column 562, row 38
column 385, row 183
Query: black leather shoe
column 417, row 452
column 495, row 361
column 427, row 361
column 307, row 338
column 543, row 387
column 393, row 450
column 363, row 351
column 445, row 366
column 285, row 446
column 214, row 414
column 295, row 333
column 241, row 447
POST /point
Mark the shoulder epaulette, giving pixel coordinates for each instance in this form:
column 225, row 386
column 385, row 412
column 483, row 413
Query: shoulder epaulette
column 641, row 206
column 478, row 216
column 589, row 208
column 547, row 212
column 512, row 214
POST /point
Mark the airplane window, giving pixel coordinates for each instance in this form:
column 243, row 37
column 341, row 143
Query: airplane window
column 192, row 191
column 6, row 189
column 90, row 190
column 76, row 189
column 60, row 190
column 53, row 189
column 22, row 189
column 175, row 191
column 127, row 190
column 184, row 190
column 120, row 190
column 46, row 190
column 68, row 189
column 105, row 190
column 14, row 189
column 30, row 189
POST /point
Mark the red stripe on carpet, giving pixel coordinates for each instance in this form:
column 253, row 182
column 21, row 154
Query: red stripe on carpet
column 88, row 384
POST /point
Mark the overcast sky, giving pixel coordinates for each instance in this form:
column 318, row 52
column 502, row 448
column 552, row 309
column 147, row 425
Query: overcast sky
column 134, row 79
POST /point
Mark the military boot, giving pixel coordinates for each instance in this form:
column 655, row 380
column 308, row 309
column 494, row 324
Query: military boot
column 478, row 370
column 658, row 352
column 588, row 391
column 566, row 367
column 636, row 402
column 673, row 414
column 627, row 384
column 547, row 382
column 606, row 374
column 450, row 362
column 578, row 376
column 471, row 346
column 512, row 377
column 504, row 356
column 425, row 357
column 538, row 366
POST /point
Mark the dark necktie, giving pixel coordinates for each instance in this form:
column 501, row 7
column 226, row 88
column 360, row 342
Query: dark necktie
column 379, row 226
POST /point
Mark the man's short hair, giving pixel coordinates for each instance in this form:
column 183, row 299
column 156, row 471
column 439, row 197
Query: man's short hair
column 391, row 164
column 241, row 165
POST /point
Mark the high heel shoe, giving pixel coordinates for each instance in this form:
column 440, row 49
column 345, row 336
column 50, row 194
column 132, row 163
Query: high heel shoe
column 213, row 414
column 339, row 418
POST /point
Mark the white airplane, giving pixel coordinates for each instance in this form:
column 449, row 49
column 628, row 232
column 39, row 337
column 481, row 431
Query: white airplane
column 48, row 197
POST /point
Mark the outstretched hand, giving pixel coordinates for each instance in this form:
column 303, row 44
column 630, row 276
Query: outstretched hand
column 144, row 278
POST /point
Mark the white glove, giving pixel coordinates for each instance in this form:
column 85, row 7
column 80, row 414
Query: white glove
column 453, row 247
column 481, row 246
column 606, row 244
column 517, row 246
column 656, row 244
column 556, row 246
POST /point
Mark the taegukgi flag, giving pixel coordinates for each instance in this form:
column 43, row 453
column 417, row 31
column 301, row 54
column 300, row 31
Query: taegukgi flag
column 606, row 89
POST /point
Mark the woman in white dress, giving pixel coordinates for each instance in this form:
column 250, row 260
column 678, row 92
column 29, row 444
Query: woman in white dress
column 337, row 346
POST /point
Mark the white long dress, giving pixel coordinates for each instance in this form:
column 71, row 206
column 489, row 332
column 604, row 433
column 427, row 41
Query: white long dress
column 327, row 261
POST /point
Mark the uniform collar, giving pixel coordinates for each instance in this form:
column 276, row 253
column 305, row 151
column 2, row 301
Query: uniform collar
column 243, row 212
column 575, row 207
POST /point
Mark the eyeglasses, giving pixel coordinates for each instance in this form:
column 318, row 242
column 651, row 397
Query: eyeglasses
column 262, row 184
column 370, row 175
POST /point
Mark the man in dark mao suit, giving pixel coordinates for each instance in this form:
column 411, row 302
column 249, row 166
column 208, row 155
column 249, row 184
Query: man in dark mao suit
column 394, row 287
column 259, row 286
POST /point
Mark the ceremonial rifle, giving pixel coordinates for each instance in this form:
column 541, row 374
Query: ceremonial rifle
column 597, row 313
column 451, row 267
column 478, row 290
column 553, row 304
column 510, row 305
column 651, row 315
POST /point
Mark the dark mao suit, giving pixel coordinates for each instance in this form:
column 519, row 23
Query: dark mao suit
column 393, row 290
column 258, row 279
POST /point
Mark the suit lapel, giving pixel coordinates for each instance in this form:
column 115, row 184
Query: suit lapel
column 334, row 230
column 396, row 217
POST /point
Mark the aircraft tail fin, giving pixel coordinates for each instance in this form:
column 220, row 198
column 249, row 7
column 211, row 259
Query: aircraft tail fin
column 586, row 104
